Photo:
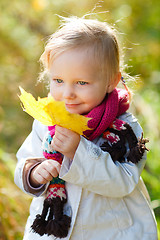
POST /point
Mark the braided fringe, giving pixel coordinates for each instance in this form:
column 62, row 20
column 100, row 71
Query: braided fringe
column 56, row 223
column 122, row 132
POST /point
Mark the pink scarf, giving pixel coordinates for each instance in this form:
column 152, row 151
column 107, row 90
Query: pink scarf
column 114, row 104
column 104, row 114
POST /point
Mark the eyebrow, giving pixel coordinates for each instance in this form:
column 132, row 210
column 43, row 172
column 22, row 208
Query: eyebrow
column 56, row 76
column 76, row 79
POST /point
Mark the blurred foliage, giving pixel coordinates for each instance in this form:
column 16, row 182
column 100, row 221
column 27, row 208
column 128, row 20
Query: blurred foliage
column 14, row 205
column 24, row 28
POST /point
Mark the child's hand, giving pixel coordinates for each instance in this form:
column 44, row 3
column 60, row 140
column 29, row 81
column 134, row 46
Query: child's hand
column 44, row 172
column 65, row 141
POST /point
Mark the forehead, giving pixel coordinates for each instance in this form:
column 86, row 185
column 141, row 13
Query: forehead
column 79, row 59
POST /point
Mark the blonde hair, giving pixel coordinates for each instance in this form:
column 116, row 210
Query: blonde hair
column 80, row 33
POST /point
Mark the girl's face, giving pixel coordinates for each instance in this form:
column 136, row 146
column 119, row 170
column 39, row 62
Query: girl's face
column 75, row 79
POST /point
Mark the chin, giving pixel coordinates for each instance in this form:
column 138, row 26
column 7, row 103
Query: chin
column 78, row 110
column 74, row 111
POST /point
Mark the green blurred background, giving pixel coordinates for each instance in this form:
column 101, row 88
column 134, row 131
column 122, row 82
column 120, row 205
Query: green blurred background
column 24, row 26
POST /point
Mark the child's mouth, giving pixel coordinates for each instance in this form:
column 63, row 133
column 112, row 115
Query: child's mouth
column 71, row 105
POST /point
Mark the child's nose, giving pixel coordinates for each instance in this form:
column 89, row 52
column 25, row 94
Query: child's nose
column 68, row 92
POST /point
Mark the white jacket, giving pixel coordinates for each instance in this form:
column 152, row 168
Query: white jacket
column 107, row 200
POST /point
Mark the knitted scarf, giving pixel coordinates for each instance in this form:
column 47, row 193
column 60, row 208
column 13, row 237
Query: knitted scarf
column 102, row 116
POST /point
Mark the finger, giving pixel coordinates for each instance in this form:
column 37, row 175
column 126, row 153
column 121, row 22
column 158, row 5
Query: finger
column 56, row 143
column 40, row 179
column 60, row 136
column 62, row 131
column 57, row 139
column 59, row 128
column 45, row 175
column 54, row 168
column 51, row 167
column 42, row 173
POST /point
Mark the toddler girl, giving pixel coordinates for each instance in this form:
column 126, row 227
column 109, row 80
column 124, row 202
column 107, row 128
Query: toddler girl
column 106, row 197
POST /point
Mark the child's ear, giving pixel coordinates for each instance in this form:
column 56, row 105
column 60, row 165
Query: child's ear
column 114, row 83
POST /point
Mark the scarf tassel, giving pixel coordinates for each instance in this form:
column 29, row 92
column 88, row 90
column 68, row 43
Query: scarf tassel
column 52, row 221
column 116, row 135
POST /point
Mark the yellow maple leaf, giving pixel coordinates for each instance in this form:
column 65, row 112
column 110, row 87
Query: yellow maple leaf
column 50, row 112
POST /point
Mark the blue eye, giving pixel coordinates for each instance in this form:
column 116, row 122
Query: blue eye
column 82, row 83
column 58, row 80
